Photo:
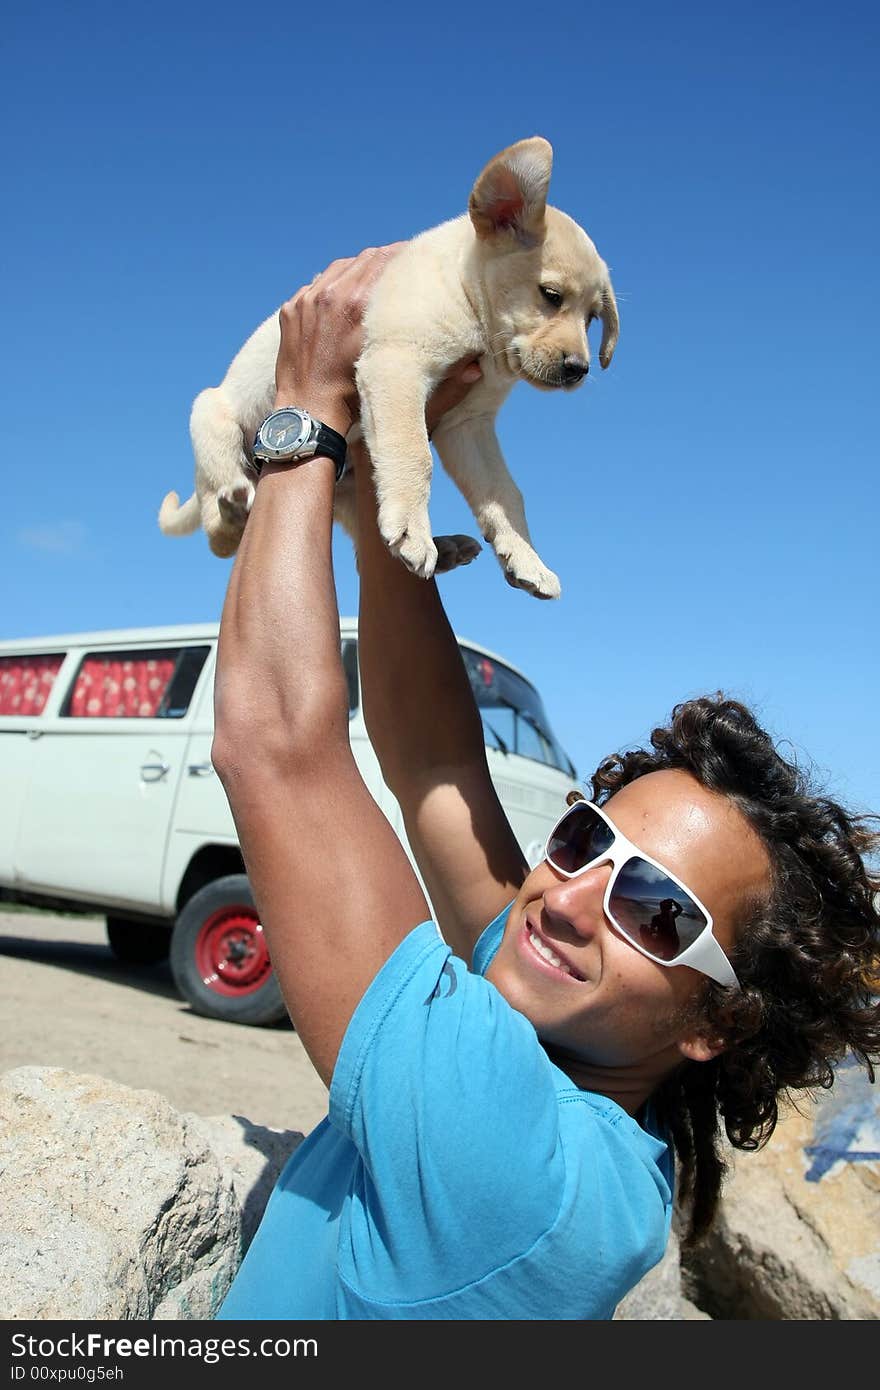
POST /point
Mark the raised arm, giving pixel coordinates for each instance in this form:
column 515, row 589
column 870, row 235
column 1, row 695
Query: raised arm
column 424, row 725
column 333, row 886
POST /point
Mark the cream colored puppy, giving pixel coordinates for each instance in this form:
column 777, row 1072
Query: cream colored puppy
column 513, row 281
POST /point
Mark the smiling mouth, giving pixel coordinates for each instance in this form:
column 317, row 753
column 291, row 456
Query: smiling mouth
column 546, row 952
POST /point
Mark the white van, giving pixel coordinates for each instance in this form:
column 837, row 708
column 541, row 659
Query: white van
column 110, row 803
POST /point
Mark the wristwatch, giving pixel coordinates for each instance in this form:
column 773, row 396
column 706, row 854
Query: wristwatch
column 290, row 435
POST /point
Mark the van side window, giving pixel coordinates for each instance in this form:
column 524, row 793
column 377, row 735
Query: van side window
column 25, row 682
column 350, row 667
column 135, row 684
column 182, row 684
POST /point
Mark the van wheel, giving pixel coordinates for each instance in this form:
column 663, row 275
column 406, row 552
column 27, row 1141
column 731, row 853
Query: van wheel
column 219, row 958
column 138, row 943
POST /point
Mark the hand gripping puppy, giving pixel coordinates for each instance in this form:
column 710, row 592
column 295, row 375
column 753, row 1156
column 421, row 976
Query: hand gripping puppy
column 514, row 281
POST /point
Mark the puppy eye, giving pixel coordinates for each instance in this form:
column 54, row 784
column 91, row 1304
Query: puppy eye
column 551, row 296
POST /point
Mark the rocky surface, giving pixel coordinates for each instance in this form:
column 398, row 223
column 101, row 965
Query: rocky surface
column 114, row 1205
column 799, row 1232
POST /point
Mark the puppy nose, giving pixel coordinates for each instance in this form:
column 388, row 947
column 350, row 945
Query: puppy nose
column 574, row 368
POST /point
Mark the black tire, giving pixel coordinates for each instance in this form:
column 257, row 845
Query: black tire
column 219, row 959
column 138, row 943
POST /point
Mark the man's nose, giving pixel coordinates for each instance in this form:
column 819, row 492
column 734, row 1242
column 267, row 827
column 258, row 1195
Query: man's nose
column 579, row 902
column 574, row 368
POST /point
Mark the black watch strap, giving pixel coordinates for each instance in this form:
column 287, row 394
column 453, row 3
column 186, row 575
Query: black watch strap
column 331, row 444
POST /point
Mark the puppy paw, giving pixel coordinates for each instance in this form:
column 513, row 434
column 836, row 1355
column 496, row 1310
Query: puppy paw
column 418, row 555
column 235, row 503
column 453, row 551
column 410, row 539
column 523, row 570
column 545, row 585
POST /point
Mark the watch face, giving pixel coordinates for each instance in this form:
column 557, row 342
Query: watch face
column 285, row 430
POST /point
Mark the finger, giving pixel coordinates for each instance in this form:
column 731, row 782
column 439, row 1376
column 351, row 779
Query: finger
column 349, row 277
column 290, row 304
column 368, row 262
column 345, row 275
column 325, row 281
column 369, row 265
column 337, row 269
column 382, row 254
column 466, row 370
column 355, row 285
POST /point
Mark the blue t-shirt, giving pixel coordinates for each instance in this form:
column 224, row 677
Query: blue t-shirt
column 459, row 1173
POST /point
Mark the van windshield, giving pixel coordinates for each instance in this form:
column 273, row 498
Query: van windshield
column 513, row 715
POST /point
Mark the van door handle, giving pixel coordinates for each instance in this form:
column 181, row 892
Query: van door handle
column 200, row 769
column 154, row 772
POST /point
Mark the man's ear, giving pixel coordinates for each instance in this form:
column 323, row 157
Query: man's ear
column 510, row 195
column 698, row 1048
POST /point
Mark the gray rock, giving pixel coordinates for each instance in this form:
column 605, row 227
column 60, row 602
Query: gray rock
column 115, row 1206
column 799, row 1229
column 252, row 1156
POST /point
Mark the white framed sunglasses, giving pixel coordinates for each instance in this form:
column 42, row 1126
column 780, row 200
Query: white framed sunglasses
column 650, row 907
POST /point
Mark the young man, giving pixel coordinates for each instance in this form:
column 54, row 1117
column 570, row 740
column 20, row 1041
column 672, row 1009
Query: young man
column 506, row 1093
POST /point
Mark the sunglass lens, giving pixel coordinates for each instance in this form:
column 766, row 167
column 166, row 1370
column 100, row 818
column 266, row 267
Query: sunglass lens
column 580, row 837
column 651, row 909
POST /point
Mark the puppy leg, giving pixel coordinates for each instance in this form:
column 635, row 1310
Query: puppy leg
column 393, row 388
column 470, row 453
column 452, row 551
column 223, row 483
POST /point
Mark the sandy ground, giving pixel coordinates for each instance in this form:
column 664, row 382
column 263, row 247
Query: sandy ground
column 65, row 1001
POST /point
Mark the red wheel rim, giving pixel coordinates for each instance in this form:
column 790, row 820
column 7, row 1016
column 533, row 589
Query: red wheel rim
column 231, row 954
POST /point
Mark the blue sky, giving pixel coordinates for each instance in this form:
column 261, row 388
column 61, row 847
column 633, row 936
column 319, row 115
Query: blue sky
column 709, row 503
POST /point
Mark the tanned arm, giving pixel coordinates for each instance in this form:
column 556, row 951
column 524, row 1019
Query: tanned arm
column 334, row 888
column 424, row 725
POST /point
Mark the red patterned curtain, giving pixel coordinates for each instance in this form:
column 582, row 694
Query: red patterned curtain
column 25, row 682
column 132, row 688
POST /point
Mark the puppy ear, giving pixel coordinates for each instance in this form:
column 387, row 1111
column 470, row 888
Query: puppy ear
column 610, row 325
column 510, row 195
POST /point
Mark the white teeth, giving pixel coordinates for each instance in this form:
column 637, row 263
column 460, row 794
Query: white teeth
column 544, row 950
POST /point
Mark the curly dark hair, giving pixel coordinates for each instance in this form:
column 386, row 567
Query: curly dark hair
column 808, row 957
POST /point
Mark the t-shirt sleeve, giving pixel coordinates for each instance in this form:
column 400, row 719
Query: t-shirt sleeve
column 449, row 1099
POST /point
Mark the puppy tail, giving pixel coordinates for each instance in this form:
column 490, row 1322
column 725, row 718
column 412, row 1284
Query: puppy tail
column 177, row 520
